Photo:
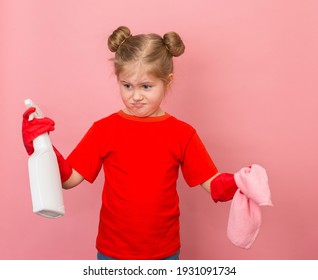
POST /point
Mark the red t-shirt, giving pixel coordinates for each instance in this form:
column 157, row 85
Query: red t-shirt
column 139, row 217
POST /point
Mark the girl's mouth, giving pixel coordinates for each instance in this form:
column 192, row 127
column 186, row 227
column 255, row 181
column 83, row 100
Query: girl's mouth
column 138, row 104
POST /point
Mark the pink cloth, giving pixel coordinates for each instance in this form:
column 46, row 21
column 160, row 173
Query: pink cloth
column 245, row 216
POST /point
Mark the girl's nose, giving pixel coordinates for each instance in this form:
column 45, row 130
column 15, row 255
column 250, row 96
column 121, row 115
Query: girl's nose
column 137, row 96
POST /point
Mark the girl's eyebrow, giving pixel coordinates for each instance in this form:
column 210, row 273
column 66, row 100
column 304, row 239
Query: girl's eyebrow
column 141, row 83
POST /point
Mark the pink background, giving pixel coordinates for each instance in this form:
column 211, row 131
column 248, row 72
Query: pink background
column 247, row 82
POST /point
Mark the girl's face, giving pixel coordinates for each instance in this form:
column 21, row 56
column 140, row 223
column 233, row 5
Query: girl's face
column 141, row 92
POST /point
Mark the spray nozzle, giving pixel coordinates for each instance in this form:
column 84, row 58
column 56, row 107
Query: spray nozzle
column 37, row 114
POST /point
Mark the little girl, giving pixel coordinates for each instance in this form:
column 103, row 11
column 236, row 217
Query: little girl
column 140, row 149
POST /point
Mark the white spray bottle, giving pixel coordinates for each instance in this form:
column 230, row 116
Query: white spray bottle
column 44, row 174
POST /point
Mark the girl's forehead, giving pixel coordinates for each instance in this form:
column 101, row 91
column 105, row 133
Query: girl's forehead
column 136, row 74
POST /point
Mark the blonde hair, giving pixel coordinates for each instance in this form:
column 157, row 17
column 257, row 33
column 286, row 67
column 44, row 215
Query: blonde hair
column 152, row 50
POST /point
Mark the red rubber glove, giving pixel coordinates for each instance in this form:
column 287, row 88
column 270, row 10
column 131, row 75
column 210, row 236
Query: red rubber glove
column 223, row 187
column 65, row 169
column 34, row 128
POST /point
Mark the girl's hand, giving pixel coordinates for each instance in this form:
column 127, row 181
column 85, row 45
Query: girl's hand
column 33, row 128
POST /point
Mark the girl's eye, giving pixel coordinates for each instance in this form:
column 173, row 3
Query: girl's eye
column 128, row 86
column 146, row 86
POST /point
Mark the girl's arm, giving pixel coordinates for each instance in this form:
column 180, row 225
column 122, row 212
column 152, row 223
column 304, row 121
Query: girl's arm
column 73, row 180
column 207, row 184
column 70, row 178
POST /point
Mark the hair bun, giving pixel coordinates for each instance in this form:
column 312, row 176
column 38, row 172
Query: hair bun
column 174, row 43
column 118, row 37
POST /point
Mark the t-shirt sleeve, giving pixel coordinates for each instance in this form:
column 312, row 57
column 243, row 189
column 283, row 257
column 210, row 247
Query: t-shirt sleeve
column 197, row 166
column 86, row 158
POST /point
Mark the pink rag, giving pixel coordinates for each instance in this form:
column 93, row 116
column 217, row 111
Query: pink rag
column 245, row 216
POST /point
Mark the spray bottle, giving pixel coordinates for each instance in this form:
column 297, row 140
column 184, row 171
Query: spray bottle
column 44, row 174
